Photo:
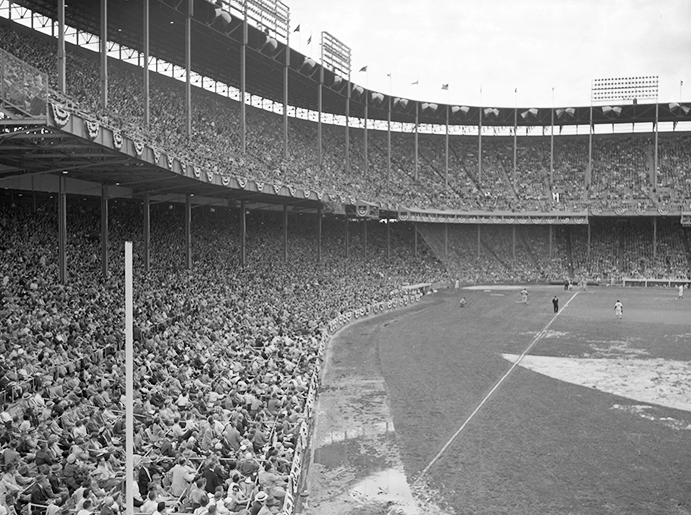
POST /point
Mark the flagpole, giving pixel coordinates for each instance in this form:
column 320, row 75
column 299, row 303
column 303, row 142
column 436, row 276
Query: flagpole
column 551, row 145
column 515, row 138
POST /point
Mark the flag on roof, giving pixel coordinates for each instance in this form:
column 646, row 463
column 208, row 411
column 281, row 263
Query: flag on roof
column 416, row 82
column 297, row 29
column 309, row 39
column 445, row 86
column 363, row 69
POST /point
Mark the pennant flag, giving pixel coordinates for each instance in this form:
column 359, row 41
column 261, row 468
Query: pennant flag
column 430, row 106
column 401, row 101
column 388, row 74
column 416, row 82
column 491, row 110
column 463, row 109
column 297, row 29
column 358, row 90
column 309, row 39
column 532, row 112
column 363, row 69
column 445, row 87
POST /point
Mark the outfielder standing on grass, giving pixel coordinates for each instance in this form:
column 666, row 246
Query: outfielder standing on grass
column 618, row 309
column 680, row 294
column 524, row 296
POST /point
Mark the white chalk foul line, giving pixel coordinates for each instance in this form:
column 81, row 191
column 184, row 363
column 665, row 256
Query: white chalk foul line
column 537, row 338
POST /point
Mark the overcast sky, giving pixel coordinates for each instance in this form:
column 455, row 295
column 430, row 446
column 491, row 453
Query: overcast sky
column 501, row 45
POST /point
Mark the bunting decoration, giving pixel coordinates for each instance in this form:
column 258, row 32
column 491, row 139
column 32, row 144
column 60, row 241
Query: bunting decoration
column 138, row 148
column 292, row 190
column 225, row 180
column 92, row 129
column 157, row 155
column 260, row 186
column 209, row 176
column 306, row 193
column 196, row 171
column 117, row 139
column 60, row 115
column 242, row 182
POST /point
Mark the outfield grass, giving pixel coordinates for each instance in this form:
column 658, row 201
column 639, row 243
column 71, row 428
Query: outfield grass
column 539, row 444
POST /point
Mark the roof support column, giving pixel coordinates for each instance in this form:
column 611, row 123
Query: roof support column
column 446, row 240
column 551, row 153
column 62, row 81
column 478, row 241
column 654, row 238
column 104, row 230
column 243, row 73
column 347, row 129
column 188, row 232
column 479, row 149
column 365, row 139
column 513, row 242
column 285, row 233
column 515, row 146
column 446, row 150
column 347, row 249
column 550, row 241
column 188, row 66
column 417, row 121
column 286, row 65
column 657, row 114
column 243, row 234
column 589, row 169
column 62, row 228
column 364, row 236
column 415, row 238
column 145, row 67
column 319, row 234
column 104, row 54
column 319, row 121
column 147, row 232
column 388, row 239
column 388, row 142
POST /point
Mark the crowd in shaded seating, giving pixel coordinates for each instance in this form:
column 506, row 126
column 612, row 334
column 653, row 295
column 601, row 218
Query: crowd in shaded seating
column 223, row 354
column 620, row 174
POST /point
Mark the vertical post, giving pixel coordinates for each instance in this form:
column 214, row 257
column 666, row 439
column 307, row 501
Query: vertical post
column 515, row 145
column 365, row 138
column 364, row 236
column 589, row 169
column 550, row 242
column 129, row 383
column 513, row 242
column 243, row 234
column 320, row 95
column 285, row 94
column 62, row 228
column 347, row 250
column 243, row 72
column 588, row 239
column 479, row 147
column 388, row 239
column 446, row 240
column 655, row 157
column 446, row 150
column 188, row 232
column 147, row 232
column 62, row 81
column 104, row 230
column 147, row 108
column 285, row 232
column 388, row 142
column 551, row 154
column 417, row 121
column 188, row 66
column 347, row 128
column 319, row 235
column 415, row 237
column 655, row 237
column 478, row 240
column 104, row 54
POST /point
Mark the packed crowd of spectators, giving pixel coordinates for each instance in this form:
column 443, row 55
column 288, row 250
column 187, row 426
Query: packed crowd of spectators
column 223, row 354
column 620, row 174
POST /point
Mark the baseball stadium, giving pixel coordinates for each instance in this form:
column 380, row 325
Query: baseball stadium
column 252, row 285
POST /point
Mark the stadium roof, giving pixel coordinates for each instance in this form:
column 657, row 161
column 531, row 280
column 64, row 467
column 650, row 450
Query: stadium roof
column 216, row 49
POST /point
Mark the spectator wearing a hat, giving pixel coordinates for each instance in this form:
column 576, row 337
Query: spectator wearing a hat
column 259, row 506
column 181, row 475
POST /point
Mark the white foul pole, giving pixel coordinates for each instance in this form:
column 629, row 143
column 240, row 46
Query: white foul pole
column 129, row 379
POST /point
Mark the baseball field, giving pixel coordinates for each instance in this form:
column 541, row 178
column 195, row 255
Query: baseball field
column 506, row 407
